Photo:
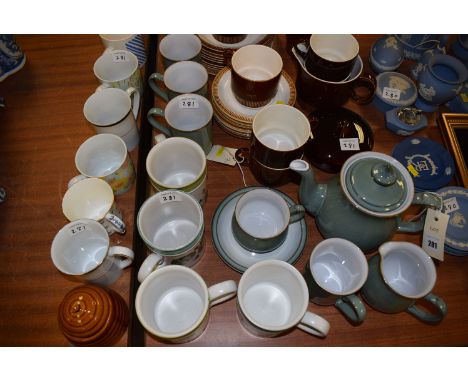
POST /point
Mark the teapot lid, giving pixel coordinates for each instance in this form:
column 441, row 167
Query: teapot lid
column 377, row 184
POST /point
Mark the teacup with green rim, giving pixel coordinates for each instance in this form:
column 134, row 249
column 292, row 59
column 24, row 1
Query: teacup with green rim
column 178, row 163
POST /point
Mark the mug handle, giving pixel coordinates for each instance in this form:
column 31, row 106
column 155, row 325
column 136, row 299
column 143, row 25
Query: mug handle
column 440, row 305
column 157, row 112
column 118, row 223
column 367, row 81
column 159, row 138
column 151, row 263
column 301, row 48
column 135, row 98
column 123, row 255
column 296, row 212
column 221, row 292
column 352, row 307
column 75, row 180
column 314, row 324
column 420, row 198
column 151, row 81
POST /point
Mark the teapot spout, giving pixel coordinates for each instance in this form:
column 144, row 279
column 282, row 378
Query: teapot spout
column 311, row 194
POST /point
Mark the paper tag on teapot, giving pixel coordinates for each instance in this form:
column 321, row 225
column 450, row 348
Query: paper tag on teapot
column 349, row 144
column 221, row 154
column 433, row 239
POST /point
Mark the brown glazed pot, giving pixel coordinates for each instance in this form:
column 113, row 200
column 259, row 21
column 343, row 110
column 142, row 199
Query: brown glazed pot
column 271, row 176
column 92, row 316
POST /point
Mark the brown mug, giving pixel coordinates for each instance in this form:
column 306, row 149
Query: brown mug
column 229, row 38
column 331, row 57
column 255, row 74
column 279, row 135
column 315, row 93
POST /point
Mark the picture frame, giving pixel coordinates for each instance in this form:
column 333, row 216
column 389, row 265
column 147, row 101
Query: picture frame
column 454, row 128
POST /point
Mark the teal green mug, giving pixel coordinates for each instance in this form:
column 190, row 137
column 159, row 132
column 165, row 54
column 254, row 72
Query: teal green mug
column 187, row 115
column 261, row 219
column 400, row 275
column 182, row 77
column 335, row 272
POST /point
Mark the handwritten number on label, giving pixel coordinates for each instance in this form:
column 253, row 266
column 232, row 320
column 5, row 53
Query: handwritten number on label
column 188, row 103
column 391, row 94
column 451, row 205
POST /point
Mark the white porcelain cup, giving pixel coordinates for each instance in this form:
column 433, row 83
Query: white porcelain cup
column 131, row 42
column 92, row 198
column 118, row 69
column 171, row 225
column 335, row 272
column 178, row 163
column 114, row 111
column 272, row 299
column 261, row 219
column 81, row 250
column 173, row 303
column 105, row 156
column 180, row 47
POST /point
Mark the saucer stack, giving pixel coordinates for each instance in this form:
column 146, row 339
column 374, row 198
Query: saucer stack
column 456, row 206
column 92, row 316
column 215, row 55
column 235, row 118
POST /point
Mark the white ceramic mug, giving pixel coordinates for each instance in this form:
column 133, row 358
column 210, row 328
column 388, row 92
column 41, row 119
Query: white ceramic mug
column 105, row 156
column 173, row 303
column 272, row 299
column 178, row 163
column 172, row 227
column 114, row 111
column 118, row 69
column 335, row 272
column 261, row 219
column 180, row 78
column 81, row 250
column 187, row 115
column 92, row 198
column 131, row 42
column 180, row 47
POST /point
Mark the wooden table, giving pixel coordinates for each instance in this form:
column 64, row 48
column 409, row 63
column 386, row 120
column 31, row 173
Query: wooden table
column 41, row 128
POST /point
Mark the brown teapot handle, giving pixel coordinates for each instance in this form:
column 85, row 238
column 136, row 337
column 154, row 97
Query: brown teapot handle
column 367, row 81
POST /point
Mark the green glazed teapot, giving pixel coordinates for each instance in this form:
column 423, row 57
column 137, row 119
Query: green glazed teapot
column 364, row 203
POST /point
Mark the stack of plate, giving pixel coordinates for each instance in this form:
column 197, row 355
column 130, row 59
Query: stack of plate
column 215, row 55
column 456, row 206
column 429, row 163
column 235, row 118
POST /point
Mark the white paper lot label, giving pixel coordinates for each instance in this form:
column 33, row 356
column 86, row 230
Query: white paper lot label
column 433, row 239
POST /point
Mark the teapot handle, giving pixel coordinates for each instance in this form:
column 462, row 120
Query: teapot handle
column 428, row 199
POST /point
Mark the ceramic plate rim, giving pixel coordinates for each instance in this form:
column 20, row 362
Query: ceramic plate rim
column 452, row 243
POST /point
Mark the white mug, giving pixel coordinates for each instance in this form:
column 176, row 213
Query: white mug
column 173, row 303
column 172, row 227
column 118, row 69
column 180, row 47
column 272, row 299
column 131, row 42
column 178, row 163
column 105, row 156
column 81, row 250
column 92, row 198
column 114, row 111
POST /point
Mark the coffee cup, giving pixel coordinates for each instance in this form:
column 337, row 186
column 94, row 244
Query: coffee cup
column 315, row 93
column 173, row 303
column 187, row 115
column 179, row 47
column 181, row 78
column 105, row 156
column 92, row 198
column 178, row 163
column 114, row 111
column 255, row 75
column 118, row 69
column 272, row 299
column 335, row 272
column 171, row 225
column 400, row 275
column 331, row 57
column 279, row 133
column 81, row 251
column 131, row 42
column 261, row 219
